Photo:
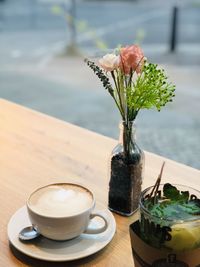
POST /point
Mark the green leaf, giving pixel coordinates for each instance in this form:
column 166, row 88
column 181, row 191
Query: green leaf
column 172, row 206
column 192, row 207
column 175, row 204
column 172, row 193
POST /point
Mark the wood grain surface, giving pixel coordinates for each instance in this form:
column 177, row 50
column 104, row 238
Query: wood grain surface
column 37, row 150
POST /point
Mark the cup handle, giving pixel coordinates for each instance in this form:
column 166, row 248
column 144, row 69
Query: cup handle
column 99, row 229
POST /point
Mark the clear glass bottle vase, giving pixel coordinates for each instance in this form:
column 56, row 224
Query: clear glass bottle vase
column 126, row 171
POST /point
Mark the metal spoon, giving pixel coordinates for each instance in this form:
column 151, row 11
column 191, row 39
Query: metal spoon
column 28, row 233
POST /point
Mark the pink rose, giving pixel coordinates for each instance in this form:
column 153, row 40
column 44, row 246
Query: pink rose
column 131, row 59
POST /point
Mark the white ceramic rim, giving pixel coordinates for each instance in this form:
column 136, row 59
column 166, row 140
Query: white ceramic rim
column 60, row 184
column 20, row 219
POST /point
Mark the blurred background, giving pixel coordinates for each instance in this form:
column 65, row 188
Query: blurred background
column 43, row 44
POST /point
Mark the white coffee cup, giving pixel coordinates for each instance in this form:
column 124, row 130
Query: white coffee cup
column 63, row 211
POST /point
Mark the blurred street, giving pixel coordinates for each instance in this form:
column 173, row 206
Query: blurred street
column 35, row 72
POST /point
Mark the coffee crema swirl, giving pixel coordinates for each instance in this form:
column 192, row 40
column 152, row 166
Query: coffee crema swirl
column 61, row 200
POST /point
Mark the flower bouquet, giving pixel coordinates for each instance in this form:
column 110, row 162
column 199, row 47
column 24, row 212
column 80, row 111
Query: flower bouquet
column 134, row 84
column 168, row 231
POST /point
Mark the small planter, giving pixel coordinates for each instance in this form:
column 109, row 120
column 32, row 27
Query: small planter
column 126, row 171
column 168, row 231
column 145, row 255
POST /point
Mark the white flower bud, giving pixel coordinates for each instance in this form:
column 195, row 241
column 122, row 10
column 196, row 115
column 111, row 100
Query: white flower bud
column 109, row 62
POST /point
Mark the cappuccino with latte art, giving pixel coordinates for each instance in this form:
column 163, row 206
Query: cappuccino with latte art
column 61, row 200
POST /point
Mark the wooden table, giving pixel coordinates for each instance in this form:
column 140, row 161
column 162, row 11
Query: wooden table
column 37, row 149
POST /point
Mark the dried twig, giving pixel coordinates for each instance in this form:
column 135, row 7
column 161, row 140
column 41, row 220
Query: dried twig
column 157, row 184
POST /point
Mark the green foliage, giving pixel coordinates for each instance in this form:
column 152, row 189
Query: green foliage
column 149, row 89
column 140, row 35
column 56, row 10
column 103, row 78
column 175, row 204
column 80, row 25
column 101, row 45
column 171, row 192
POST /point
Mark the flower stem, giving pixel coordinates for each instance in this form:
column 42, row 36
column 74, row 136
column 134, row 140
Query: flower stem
column 127, row 139
column 120, row 106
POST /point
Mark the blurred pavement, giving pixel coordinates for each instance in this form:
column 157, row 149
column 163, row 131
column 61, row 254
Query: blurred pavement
column 35, row 74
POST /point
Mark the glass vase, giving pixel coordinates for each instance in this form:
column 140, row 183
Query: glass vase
column 126, row 171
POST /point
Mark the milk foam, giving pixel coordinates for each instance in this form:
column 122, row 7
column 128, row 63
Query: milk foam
column 57, row 201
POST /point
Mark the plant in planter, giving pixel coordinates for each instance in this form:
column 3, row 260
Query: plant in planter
column 134, row 84
column 170, row 217
column 168, row 232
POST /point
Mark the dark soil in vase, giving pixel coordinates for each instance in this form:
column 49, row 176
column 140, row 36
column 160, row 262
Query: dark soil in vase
column 125, row 184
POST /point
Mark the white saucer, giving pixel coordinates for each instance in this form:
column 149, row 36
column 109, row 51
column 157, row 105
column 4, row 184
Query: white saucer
column 45, row 249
